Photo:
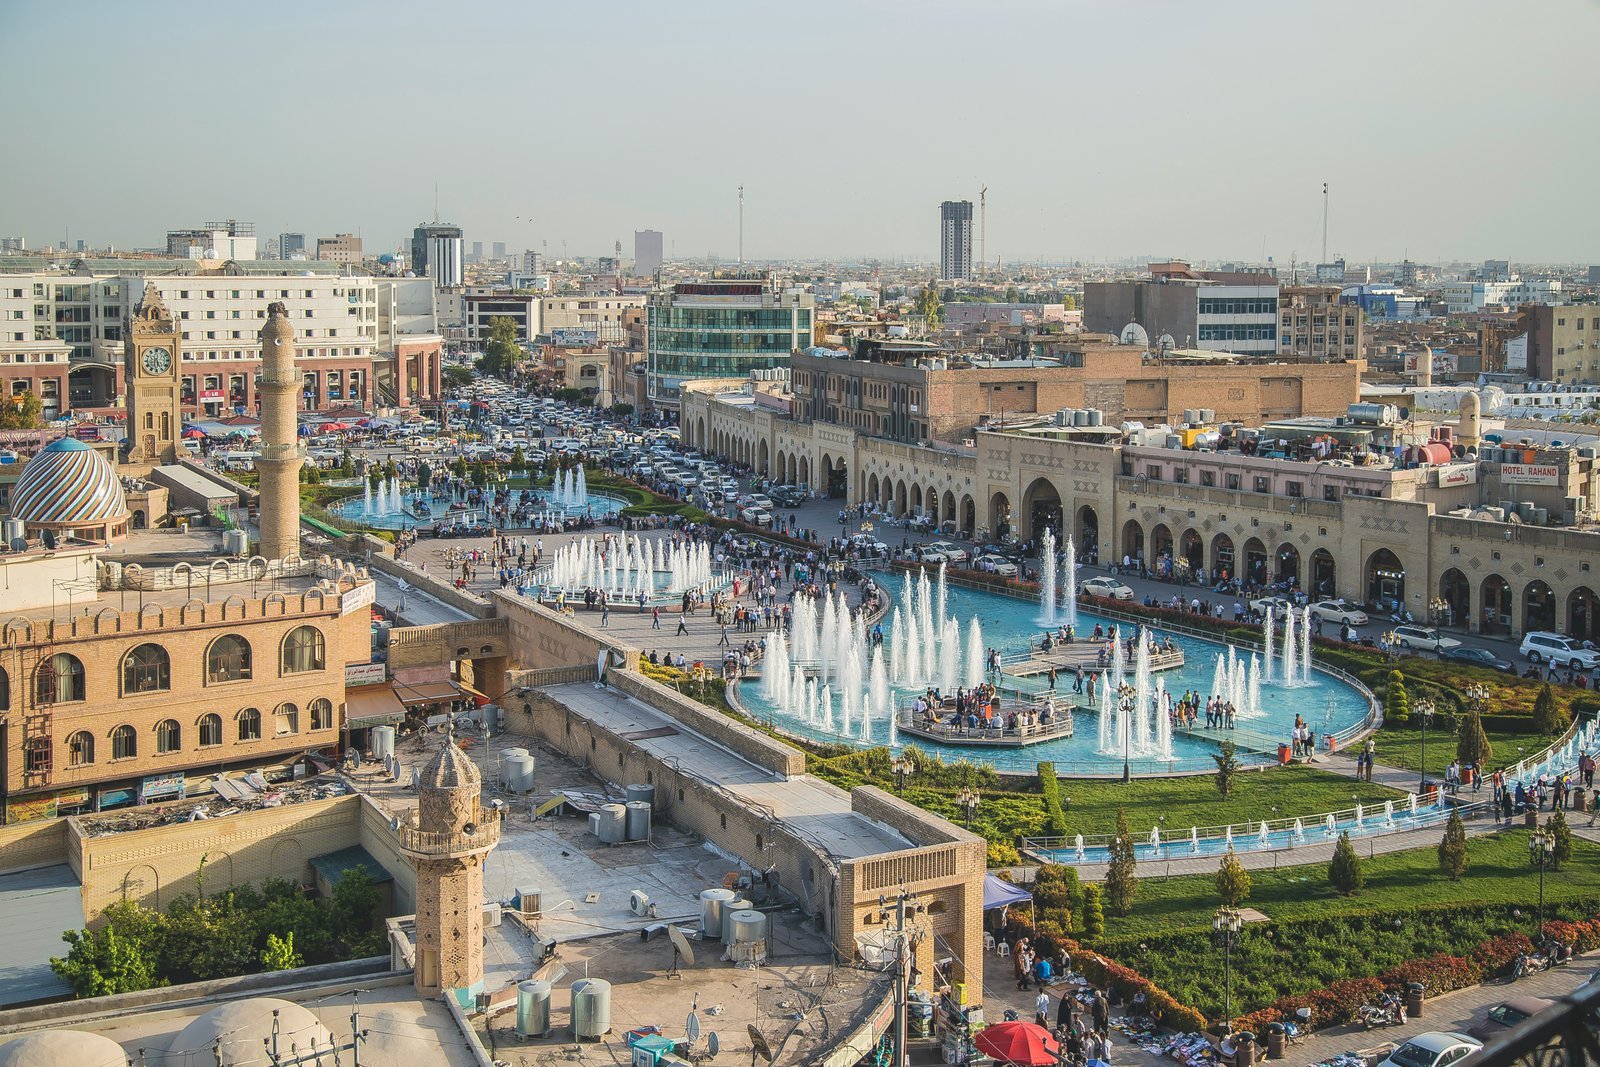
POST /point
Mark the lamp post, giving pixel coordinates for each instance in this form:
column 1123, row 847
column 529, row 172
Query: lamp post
column 1477, row 696
column 1541, row 851
column 1424, row 710
column 967, row 801
column 1128, row 703
column 903, row 768
column 1226, row 924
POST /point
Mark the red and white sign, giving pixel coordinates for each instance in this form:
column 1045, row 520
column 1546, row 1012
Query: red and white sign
column 1461, row 474
column 1529, row 474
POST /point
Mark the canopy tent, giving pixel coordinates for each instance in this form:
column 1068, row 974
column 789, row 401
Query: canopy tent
column 1020, row 1043
column 999, row 893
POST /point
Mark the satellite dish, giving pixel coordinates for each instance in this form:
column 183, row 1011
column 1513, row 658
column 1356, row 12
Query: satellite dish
column 691, row 1027
column 469, row 828
column 758, row 1043
column 1134, row 334
column 49, row 538
column 19, row 544
column 713, row 1045
column 680, row 944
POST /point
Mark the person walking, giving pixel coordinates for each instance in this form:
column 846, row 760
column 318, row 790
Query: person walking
column 682, row 629
column 655, row 618
column 1041, row 1008
column 605, row 615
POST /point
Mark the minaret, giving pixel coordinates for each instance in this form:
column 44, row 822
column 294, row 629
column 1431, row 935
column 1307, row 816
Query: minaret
column 448, row 848
column 279, row 465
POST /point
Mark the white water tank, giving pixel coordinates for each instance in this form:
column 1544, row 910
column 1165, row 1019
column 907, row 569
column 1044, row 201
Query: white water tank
column 729, row 910
column 638, row 820
column 383, row 742
column 712, row 902
column 533, row 1009
column 591, row 1008
column 749, row 944
column 613, row 826
column 516, row 771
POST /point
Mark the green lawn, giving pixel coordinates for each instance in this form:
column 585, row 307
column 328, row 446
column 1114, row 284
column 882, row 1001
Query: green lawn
column 1402, row 747
column 1498, row 874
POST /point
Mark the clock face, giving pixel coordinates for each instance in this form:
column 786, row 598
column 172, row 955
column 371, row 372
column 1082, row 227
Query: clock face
column 157, row 360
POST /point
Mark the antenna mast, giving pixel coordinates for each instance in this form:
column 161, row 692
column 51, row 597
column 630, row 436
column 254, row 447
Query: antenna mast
column 1324, row 222
column 983, row 231
column 741, row 226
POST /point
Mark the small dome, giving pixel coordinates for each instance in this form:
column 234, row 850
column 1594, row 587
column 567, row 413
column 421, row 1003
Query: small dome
column 1470, row 404
column 52, row 1048
column 68, row 484
column 241, row 1027
column 451, row 769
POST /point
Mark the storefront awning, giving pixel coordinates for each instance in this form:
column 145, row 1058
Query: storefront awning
column 427, row 692
column 372, row 705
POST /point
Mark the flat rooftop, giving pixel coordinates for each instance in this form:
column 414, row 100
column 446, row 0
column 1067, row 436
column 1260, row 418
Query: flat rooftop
column 39, row 905
column 807, row 805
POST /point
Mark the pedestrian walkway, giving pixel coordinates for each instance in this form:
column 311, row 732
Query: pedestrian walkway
column 1344, row 763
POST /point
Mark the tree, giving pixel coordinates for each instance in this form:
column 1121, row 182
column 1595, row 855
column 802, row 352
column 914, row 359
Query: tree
column 424, row 476
column 1227, row 767
column 501, row 353
column 459, row 467
column 1453, row 848
column 279, row 955
column 1548, row 716
column 457, row 377
column 622, row 411
column 1013, row 295
column 928, row 305
column 117, row 958
column 1121, row 881
column 1396, row 702
column 1472, row 744
column 1069, row 302
column 1057, row 893
column 1561, row 833
column 1233, row 881
column 375, row 475
column 22, row 412
column 353, row 906
column 1344, row 871
column 1094, row 916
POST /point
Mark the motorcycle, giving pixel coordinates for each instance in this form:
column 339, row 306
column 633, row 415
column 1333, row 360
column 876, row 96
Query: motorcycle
column 1388, row 1011
column 1527, row 963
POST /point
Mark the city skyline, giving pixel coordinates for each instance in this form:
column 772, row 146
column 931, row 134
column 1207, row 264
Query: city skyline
column 1213, row 143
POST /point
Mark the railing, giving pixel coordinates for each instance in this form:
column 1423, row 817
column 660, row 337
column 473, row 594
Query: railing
column 483, row 837
column 1565, row 1035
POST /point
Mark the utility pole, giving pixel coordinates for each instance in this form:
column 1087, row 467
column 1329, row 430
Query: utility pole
column 983, row 231
column 905, row 953
column 1324, row 222
column 741, row 226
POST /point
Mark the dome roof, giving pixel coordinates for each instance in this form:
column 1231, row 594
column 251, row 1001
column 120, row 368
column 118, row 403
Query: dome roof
column 66, row 484
column 51, row 1048
column 451, row 769
column 240, row 1027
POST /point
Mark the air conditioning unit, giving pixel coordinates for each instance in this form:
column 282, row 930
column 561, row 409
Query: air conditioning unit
column 491, row 915
column 529, row 900
column 639, row 902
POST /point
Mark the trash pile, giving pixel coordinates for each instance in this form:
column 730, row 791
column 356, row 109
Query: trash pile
column 252, row 792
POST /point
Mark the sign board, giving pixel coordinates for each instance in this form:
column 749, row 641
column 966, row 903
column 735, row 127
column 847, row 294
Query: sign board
column 569, row 336
column 366, row 673
column 1529, row 474
column 362, row 596
column 1459, row 474
column 162, row 787
column 1517, row 353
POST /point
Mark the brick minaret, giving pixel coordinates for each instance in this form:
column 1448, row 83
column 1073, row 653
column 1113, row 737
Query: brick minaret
column 279, row 464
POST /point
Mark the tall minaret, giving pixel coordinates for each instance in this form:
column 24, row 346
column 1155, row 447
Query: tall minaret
column 279, row 465
column 448, row 847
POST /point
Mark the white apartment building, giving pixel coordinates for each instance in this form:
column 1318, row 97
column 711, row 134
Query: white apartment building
column 1237, row 318
column 1468, row 297
column 600, row 313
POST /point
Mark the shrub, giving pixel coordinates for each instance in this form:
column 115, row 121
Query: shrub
column 1055, row 817
column 1561, row 833
column 1344, row 871
column 1121, row 881
column 1094, row 916
column 1233, row 881
column 1453, row 849
column 1396, row 702
column 1472, row 744
column 1548, row 716
column 1227, row 767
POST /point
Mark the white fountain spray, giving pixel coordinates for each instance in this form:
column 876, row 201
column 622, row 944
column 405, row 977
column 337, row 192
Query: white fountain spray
column 1266, row 645
column 1071, row 564
column 1047, row 577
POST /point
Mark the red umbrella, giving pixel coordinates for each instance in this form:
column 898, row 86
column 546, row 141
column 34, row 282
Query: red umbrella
column 1025, row 1044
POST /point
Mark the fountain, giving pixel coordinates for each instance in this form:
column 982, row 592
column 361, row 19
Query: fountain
column 1388, row 814
column 1265, row 837
column 1411, row 802
column 1331, row 825
column 1305, row 647
column 1077, row 843
column 1360, row 817
column 1072, row 583
column 1290, row 654
column 1194, row 840
column 1047, row 577
column 1228, row 838
column 1299, row 830
column 1266, row 645
column 974, row 654
column 1155, row 840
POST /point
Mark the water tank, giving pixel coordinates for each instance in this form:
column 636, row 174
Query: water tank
column 1191, row 415
column 729, row 910
column 591, row 1008
column 12, row 529
column 639, row 791
column 1208, row 414
column 749, row 944
column 1540, row 516
column 533, row 1009
column 383, row 741
column 1096, row 417
column 712, row 902
column 1080, row 417
column 235, row 542
column 613, row 828
column 516, row 772
column 1434, row 453
column 638, row 820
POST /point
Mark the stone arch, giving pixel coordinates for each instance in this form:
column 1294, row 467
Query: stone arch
column 1041, row 508
column 1286, row 564
column 142, row 885
column 968, row 516
column 872, row 486
column 700, row 431
column 899, row 496
column 1494, row 598
column 1133, row 540
column 1192, row 550
column 916, row 498
column 930, row 503
column 1160, row 541
column 1456, row 592
column 805, row 472
column 1582, row 610
column 1224, row 563
column 1538, row 606
column 1253, row 567
column 219, row 867
column 1324, row 574
column 999, row 516
column 1386, row 580
column 288, row 860
column 1088, row 532
column 947, row 513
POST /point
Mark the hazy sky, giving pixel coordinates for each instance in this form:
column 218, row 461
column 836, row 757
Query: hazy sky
column 1447, row 128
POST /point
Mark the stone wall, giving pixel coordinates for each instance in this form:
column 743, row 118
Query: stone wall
column 542, row 637
column 765, row 752
column 433, row 585
column 41, row 843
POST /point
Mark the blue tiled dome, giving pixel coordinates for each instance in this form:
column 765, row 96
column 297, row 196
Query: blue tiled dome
column 68, row 484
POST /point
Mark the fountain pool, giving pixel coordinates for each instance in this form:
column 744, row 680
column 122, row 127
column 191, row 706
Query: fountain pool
column 392, row 506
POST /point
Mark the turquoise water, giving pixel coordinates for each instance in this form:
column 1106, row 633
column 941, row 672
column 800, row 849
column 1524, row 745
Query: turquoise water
column 389, row 508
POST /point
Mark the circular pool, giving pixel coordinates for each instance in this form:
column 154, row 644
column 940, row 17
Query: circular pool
column 392, row 506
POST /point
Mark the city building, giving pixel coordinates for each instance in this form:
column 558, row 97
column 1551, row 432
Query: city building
column 647, row 256
column 720, row 328
column 480, row 309
column 436, row 253
column 342, row 248
column 1496, row 270
column 1317, row 323
column 1212, row 310
column 215, row 240
column 290, row 245
column 13, row 244
column 597, row 318
column 476, row 255
column 498, row 250
column 955, row 240
column 38, row 367
column 532, row 262
column 1563, row 342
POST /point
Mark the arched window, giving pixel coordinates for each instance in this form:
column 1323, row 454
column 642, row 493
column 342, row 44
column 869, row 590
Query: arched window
column 146, row 669
column 250, row 725
column 228, row 659
column 302, row 650
column 169, row 736
column 286, row 720
column 5, row 691
column 124, row 742
column 59, row 680
column 210, row 730
column 36, row 756
column 80, row 749
column 321, row 714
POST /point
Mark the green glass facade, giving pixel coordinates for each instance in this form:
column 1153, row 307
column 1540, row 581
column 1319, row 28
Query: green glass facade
column 712, row 337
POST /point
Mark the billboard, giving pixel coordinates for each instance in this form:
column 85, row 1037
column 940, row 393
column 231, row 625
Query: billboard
column 1530, row 474
column 571, row 337
column 365, row 673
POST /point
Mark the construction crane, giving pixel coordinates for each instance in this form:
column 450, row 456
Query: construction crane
column 983, row 230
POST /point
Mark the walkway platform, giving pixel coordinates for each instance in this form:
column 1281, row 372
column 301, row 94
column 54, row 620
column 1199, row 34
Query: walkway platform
column 1068, row 658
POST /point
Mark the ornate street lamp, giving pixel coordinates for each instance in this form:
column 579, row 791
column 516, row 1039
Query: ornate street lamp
column 1225, row 926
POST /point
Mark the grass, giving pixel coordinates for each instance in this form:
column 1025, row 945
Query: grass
column 1401, row 746
column 1498, row 873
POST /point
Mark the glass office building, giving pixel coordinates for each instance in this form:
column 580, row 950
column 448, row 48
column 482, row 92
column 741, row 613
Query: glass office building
column 722, row 328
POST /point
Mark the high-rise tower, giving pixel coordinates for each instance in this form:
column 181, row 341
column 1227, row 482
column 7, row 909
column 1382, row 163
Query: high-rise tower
column 152, row 361
column 955, row 239
column 279, row 463
column 448, row 847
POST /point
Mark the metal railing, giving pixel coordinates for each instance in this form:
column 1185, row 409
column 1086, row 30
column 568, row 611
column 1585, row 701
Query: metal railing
column 482, row 837
column 1565, row 1035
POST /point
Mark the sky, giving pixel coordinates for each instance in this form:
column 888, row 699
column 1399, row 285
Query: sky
column 1446, row 129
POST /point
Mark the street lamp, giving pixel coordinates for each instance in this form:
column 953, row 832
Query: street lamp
column 1127, row 702
column 903, row 768
column 1541, row 853
column 967, row 801
column 1424, row 710
column 1225, row 925
column 1477, row 696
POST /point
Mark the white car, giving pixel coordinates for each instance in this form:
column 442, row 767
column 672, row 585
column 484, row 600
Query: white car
column 953, row 553
column 1278, row 604
column 1340, row 612
column 1107, row 587
column 994, row 564
column 1424, row 637
column 756, row 516
column 1436, row 1048
column 1541, row 645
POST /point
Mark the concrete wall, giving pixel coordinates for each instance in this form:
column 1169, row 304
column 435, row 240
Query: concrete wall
column 765, row 752
column 541, row 637
column 433, row 585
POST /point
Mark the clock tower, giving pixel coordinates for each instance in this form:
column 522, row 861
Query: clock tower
column 151, row 373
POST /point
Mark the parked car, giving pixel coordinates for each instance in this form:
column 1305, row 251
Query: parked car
column 950, row 551
column 1107, row 587
column 994, row 564
column 1478, row 657
column 757, row 516
column 1339, row 612
column 1436, row 1048
column 1278, row 604
column 1425, row 638
column 1506, row 1014
column 1542, row 645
